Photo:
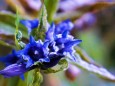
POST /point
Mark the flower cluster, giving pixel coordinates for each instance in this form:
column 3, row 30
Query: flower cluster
column 58, row 43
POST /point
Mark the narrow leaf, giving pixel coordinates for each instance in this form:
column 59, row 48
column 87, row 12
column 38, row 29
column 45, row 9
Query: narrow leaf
column 51, row 6
column 85, row 56
column 39, row 33
column 7, row 24
column 96, row 6
column 18, row 34
column 6, row 44
column 7, row 28
column 100, row 71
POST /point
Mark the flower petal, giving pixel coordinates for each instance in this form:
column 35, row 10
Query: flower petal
column 50, row 32
column 30, row 24
column 28, row 61
column 63, row 26
column 64, row 34
column 72, row 43
column 13, row 70
column 32, row 40
column 9, row 59
column 46, row 59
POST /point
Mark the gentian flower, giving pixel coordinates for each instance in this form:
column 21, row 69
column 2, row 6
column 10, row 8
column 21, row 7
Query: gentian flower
column 45, row 53
column 64, row 41
column 13, row 70
column 30, row 24
column 63, row 26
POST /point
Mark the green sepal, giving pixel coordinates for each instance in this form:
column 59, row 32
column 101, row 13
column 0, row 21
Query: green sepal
column 62, row 65
column 18, row 34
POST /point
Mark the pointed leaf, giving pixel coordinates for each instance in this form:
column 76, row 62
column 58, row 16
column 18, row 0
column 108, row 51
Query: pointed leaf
column 100, row 71
column 7, row 24
column 13, row 70
column 51, row 6
column 7, row 28
column 6, row 44
column 39, row 33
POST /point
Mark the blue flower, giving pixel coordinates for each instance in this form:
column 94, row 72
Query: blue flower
column 35, row 51
column 23, row 60
column 9, row 59
column 13, row 70
column 62, row 28
column 65, row 25
column 57, row 45
column 30, row 24
column 62, row 38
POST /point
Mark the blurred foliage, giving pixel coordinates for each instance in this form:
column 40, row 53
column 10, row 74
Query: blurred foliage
column 92, row 42
column 7, row 21
column 25, row 8
column 98, row 41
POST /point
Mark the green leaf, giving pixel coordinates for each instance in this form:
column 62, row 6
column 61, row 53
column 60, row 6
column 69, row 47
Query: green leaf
column 5, row 48
column 43, row 18
column 39, row 33
column 7, row 24
column 6, row 44
column 7, row 28
column 34, row 78
column 9, row 41
column 98, row 70
column 18, row 42
column 17, row 21
column 51, row 6
column 18, row 34
column 63, row 64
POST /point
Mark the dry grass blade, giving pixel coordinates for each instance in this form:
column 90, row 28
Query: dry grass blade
column 85, row 62
column 96, row 6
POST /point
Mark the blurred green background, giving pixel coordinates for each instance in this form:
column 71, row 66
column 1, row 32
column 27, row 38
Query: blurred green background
column 94, row 23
